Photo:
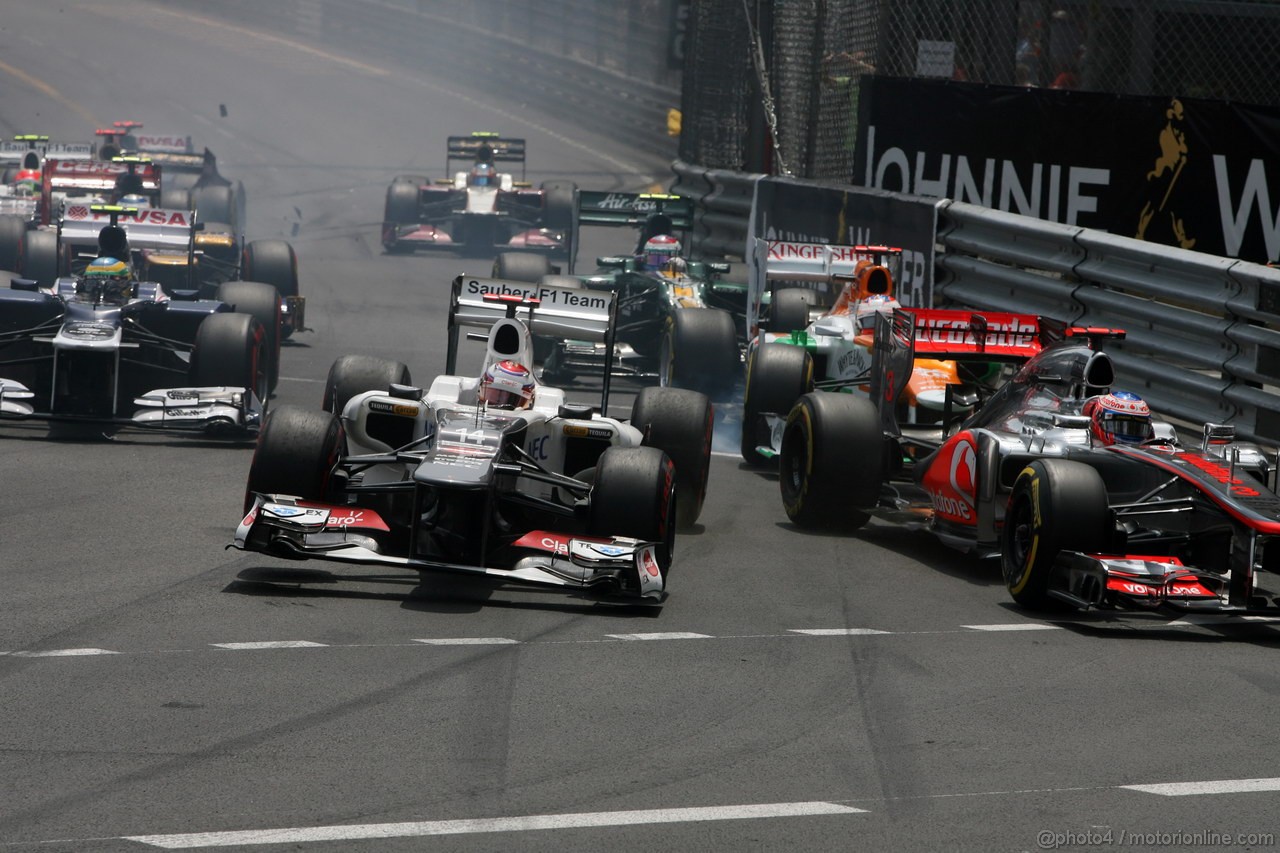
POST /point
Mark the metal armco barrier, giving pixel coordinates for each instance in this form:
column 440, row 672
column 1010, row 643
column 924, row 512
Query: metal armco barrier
column 1200, row 344
column 722, row 202
column 1203, row 332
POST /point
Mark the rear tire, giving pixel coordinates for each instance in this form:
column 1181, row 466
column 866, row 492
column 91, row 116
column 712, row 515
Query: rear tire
column 521, row 266
column 173, row 198
column 699, row 350
column 634, row 495
column 557, row 204
column 777, row 375
column 40, row 258
column 230, row 349
column 262, row 302
column 297, row 452
column 12, row 229
column 1055, row 503
column 832, row 461
column 679, row 423
column 271, row 262
column 789, row 310
column 214, row 204
column 354, row 374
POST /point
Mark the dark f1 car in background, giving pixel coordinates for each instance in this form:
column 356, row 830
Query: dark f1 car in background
column 546, row 493
column 481, row 210
column 1143, row 526
column 678, row 322
column 104, row 347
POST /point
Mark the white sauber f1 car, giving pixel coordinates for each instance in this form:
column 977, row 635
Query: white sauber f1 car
column 550, row 494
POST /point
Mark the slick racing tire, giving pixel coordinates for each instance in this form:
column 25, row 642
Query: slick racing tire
column 699, row 350
column 679, row 423
column 271, row 262
column 1055, row 504
column 262, row 302
column 297, row 452
column 543, row 345
column 521, row 266
column 40, row 258
column 402, row 202
column 777, row 375
column 634, row 495
column 832, row 461
column 789, row 310
column 214, row 204
column 12, row 229
column 175, row 198
column 354, row 374
column 231, row 349
column 557, row 204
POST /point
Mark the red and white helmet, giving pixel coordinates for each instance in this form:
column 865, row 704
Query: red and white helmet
column 507, row 385
column 1119, row 417
column 660, row 251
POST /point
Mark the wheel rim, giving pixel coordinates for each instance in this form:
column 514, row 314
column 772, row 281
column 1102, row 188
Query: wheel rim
column 1019, row 536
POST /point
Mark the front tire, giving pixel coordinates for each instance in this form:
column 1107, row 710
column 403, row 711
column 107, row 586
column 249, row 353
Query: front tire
column 271, row 262
column 1055, row 504
column 354, row 374
column 777, row 375
column 789, row 310
column 262, row 302
column 832, row 462
column 297, row 452
column 634, row 495
column 680, row 423
column 214, row 204
column 41, row 259
column 557, row 204
column 230, row 350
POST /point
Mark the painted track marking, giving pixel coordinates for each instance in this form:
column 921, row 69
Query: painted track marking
column 300, row 835
column 468, row 641
column 662, row 635
column 1223, row 786
column 276, row 644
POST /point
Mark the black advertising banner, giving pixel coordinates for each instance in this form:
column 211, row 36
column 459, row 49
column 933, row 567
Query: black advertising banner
column 1200, row 174
column 815, row 212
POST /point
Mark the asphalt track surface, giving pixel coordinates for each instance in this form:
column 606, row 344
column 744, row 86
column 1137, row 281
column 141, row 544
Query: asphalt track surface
column 797, row 691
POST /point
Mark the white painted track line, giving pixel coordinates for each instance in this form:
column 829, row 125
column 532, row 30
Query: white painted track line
column 662, row 635
column 469, row 641
column 1192, row 789
column 276, row 644
column 836, row 632
column 61, row 653
column 303, row 835
column 1014, row 626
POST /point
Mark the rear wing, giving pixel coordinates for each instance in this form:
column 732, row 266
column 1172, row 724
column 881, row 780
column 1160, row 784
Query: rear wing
column 150, row 228
column 17, row 150
column 163, row 143
column 481, row 147
column 948, row 334
column 632, row 209
column 557, row 312
column 99, row 175
column 814, row 265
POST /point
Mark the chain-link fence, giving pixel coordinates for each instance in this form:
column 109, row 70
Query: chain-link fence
column 815, row 50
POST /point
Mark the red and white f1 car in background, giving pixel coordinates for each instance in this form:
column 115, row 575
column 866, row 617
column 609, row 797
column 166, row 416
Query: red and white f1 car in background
column 481, row 210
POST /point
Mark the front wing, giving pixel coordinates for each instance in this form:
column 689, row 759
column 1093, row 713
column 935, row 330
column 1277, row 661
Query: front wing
column 214, row 410
column 285, row 526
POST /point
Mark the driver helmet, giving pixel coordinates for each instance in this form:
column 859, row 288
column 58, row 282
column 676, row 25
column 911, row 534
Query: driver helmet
column 135, row 200
column 507, row 385
column 870, row 306
column 27, row 181
column 484, row 175
column 1120, row 417
column 662, row 253
column 113, row 273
